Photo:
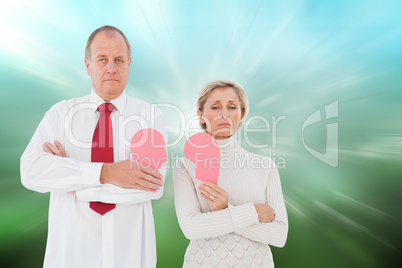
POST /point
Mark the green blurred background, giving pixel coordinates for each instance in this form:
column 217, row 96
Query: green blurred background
column 292, row 57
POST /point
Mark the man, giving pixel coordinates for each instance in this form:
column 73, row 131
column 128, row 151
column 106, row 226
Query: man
column 100, row 212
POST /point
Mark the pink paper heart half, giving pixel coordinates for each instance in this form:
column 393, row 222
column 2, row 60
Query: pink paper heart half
column 149, row 148
column 203, row 151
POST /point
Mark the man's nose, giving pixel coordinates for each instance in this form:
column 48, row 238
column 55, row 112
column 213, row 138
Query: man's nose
column 111, row 67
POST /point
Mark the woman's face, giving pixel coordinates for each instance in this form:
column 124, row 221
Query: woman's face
column 222, row 113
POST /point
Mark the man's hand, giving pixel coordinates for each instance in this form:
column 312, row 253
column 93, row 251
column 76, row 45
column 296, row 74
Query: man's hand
column 131, row 175
column 125, row 174
column 56, row 150
column 265, row 212
column 216, row 197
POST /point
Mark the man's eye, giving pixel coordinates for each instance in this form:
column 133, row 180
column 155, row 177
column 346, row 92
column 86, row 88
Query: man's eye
column 119, row 60
column 101, row 60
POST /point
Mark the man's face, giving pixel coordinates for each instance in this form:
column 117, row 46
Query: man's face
column 109, row 65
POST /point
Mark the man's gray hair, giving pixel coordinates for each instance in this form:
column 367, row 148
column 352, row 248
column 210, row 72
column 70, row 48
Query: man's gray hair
column 106, row 28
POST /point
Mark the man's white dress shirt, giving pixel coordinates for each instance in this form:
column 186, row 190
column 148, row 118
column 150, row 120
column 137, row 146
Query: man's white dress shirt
column 75, row 230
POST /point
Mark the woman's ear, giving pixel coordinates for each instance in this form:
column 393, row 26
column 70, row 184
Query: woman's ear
column 200, row 117
column 242, row 116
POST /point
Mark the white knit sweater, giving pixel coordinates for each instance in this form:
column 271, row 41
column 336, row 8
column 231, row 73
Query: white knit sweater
column 232, row 237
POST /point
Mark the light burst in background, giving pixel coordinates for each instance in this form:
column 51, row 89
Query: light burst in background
column 292, row 57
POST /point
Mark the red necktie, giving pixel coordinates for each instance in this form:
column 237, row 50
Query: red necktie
column 102, row 148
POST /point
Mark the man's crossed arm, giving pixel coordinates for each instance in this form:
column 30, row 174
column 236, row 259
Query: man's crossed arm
column 126, row 174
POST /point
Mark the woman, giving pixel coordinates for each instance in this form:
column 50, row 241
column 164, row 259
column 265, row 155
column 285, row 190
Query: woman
column 232, row 223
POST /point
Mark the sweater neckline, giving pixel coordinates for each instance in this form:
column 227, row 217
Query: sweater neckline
column 228, row 145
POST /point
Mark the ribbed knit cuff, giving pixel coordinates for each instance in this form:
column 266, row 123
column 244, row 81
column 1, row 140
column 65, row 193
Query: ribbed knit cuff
column 243, row 216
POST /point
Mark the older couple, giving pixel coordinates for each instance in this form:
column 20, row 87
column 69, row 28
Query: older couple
column 100, row 212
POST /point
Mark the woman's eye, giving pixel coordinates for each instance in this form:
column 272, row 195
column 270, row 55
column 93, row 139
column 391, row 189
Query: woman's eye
column 233, row 107
column 214, row 108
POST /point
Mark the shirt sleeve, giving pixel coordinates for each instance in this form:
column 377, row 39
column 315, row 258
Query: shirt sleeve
column 44, row 172
column 109, row 193
column 275, row 232
column 197, row 225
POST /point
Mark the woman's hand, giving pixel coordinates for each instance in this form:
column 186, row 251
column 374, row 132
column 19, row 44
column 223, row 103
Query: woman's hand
column 216, row 197
column 265, row 212
column 56, row 150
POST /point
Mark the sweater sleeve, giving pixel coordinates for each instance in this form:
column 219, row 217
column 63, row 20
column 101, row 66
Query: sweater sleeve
column 273, row 233
column 198, row 225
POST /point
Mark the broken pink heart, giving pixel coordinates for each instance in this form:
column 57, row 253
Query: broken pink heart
column 149, row 148
column 203, row 151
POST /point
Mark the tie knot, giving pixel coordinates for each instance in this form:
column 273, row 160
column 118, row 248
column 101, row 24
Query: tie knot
column 106, row 107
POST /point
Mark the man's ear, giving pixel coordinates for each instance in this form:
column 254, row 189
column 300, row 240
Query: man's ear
column 87, row 65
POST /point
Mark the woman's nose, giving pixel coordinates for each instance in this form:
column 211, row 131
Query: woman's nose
column 224, row 113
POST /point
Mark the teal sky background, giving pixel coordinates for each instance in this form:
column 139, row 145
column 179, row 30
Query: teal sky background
column 292, row 57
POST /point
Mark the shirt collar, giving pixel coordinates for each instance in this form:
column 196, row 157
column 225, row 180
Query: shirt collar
column 119, row 103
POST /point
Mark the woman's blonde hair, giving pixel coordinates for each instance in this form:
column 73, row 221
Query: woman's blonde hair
column 207, row 89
